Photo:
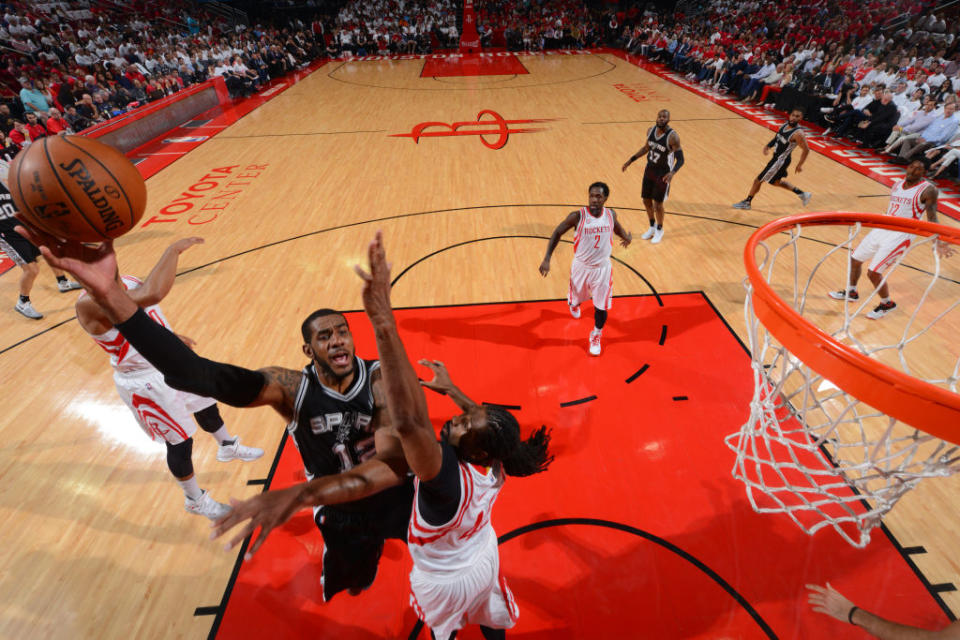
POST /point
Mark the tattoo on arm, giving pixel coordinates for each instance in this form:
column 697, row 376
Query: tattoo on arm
column 282, row 385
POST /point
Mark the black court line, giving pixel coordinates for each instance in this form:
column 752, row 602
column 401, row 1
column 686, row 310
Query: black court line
column 258, row 481
column 943, row 587
column 462, row 209
column 576, row 402
column 653, row 121
column 680, row 398
column 206, row 611
column 913, row 550
column 509, row 407
column 663, row 335
column 500, row 78
column 292, row 135
column 513, row 237
column 877, row 195
column 638, row 373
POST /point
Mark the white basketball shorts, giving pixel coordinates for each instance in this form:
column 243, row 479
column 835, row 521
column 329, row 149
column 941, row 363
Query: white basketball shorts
column 882, row 248
column 480, row 596
column 591, row 283
column 163, row 413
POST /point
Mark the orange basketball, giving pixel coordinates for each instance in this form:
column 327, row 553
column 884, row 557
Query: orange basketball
column 77, row 188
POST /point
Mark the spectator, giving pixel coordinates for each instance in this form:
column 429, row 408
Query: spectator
column 938, row 132
column 34, row 127
column 877, row 127
column 33, row 98
column 19, row 135
column 57, row 124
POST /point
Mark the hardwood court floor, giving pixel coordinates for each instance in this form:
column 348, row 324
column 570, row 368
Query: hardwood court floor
column 95, row 542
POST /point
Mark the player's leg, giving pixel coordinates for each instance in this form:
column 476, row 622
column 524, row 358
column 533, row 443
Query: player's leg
column 24, row 255
column 351, row 551
column 891, row 248
column 850, row 293
column 651, row 216
column 803, row 195
column 578, row 290
column 754, row 189
column 209, row 419
column 493, row 634
column 660, row 214
column 64, row 285
column 602, row 293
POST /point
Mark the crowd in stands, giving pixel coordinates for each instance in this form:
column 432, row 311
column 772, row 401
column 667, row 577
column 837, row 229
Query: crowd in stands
column 883, row 73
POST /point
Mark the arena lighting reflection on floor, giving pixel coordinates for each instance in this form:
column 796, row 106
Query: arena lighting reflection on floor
column 117, row 425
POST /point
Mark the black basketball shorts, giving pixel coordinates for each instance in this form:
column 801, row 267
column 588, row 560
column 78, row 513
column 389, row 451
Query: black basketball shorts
column 654, row 188
column 17, row 248
column 775, row 170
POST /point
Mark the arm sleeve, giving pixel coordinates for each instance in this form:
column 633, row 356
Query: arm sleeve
column 678, row 156
column 185, row 370
column 439, row 498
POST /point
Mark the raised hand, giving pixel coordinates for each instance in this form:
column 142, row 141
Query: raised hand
column 376, row 283
column 829, row 601
column 95, row 267
column 441, row 378
column 268, row 511
column 185, row 243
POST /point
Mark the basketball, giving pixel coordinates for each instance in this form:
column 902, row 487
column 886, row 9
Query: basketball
column 77, row 188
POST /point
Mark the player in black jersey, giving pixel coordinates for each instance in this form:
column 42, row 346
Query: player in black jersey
column 334, row 408
column 664, row 159
column 23, row 253
column 788, row 137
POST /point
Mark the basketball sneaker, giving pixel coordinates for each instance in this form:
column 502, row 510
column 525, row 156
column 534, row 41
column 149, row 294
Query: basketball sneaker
column 649, row 233
column 657, row 236
column 574, row 311
column 595, row 342
column 805, row 197
column 26, row 308
column 237, row 451
column 881, row 310
column 206, row 506
column 68, row 285
column 743, row 204
column 845, row 295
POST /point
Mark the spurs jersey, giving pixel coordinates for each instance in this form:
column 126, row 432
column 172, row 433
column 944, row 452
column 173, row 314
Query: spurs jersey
column 593, row 240
column 905, row 203
column 451, row 548
column 659, row 157
column 783, row 144
column 123, row 357
column 7, row 208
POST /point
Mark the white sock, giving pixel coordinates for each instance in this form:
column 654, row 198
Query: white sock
column 190, row 488
column 885, row 300
column 222, row 436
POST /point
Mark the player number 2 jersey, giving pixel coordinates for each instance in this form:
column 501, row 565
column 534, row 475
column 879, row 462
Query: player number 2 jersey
column 123, row 357
column 594, row 238
column 905, row 203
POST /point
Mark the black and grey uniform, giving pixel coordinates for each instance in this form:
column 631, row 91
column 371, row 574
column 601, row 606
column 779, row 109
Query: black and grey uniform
column 776, row 169
column 17, row 248
column 334, row 432
column 659, row 163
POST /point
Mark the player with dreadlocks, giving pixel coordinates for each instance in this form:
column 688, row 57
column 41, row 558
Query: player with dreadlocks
column 456, row 565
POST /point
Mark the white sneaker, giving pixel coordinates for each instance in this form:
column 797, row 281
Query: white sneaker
column 27, row 309
column 657, row 236
column 68, row 285
column 743, row 204
column 574, row 311
column 881, row 310
column 805, row 197
column 845, row 294
column 236, row 451
column 206, row 506
column 595, row 342
column 648, row 233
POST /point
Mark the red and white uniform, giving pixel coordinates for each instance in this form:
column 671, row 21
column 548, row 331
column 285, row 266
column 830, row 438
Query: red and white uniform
column 456, row 578
column 591, row 273
column 163, row 413
column 883, row 247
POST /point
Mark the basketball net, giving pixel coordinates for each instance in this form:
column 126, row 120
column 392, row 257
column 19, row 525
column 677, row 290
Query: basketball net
column 841, row 427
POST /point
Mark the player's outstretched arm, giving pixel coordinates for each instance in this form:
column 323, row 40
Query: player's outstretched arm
column 406, row 404
column 96, row 269
column 568, row 223
column 625, row 236
column 831, row 602
column 160, row 281
column 801, row 141
column 442, row 383
column 639, row 154
column 929, row 199
column 271, row 509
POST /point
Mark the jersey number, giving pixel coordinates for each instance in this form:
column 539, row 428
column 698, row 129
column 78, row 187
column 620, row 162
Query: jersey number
column 596, row 245
column 654, row 156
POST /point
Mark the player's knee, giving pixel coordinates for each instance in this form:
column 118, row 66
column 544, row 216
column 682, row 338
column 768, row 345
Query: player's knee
column 209, row 419
column 180, row 458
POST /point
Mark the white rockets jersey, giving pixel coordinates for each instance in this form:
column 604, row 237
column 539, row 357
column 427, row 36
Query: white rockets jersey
column 123, row 357
column 594, row 238
column 451, row 548
column 905, row 203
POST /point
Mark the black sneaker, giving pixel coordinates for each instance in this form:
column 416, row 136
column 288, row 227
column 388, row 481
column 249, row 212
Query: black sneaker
column 881, row 310
column 843, row 294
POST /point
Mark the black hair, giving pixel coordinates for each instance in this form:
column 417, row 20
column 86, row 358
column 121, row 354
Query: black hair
column 603, row 187
column 319, row 313
column 798, row 109
column 501, row 440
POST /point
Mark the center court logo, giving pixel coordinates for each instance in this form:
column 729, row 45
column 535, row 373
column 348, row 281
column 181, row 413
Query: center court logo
column 496, row 126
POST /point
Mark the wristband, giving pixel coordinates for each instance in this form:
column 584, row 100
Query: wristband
column 850, row 615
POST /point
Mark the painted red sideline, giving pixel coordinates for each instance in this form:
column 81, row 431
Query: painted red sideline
column 863, row 161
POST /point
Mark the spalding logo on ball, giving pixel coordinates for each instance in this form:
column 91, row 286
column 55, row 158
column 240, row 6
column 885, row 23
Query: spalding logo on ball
column 77, row 188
